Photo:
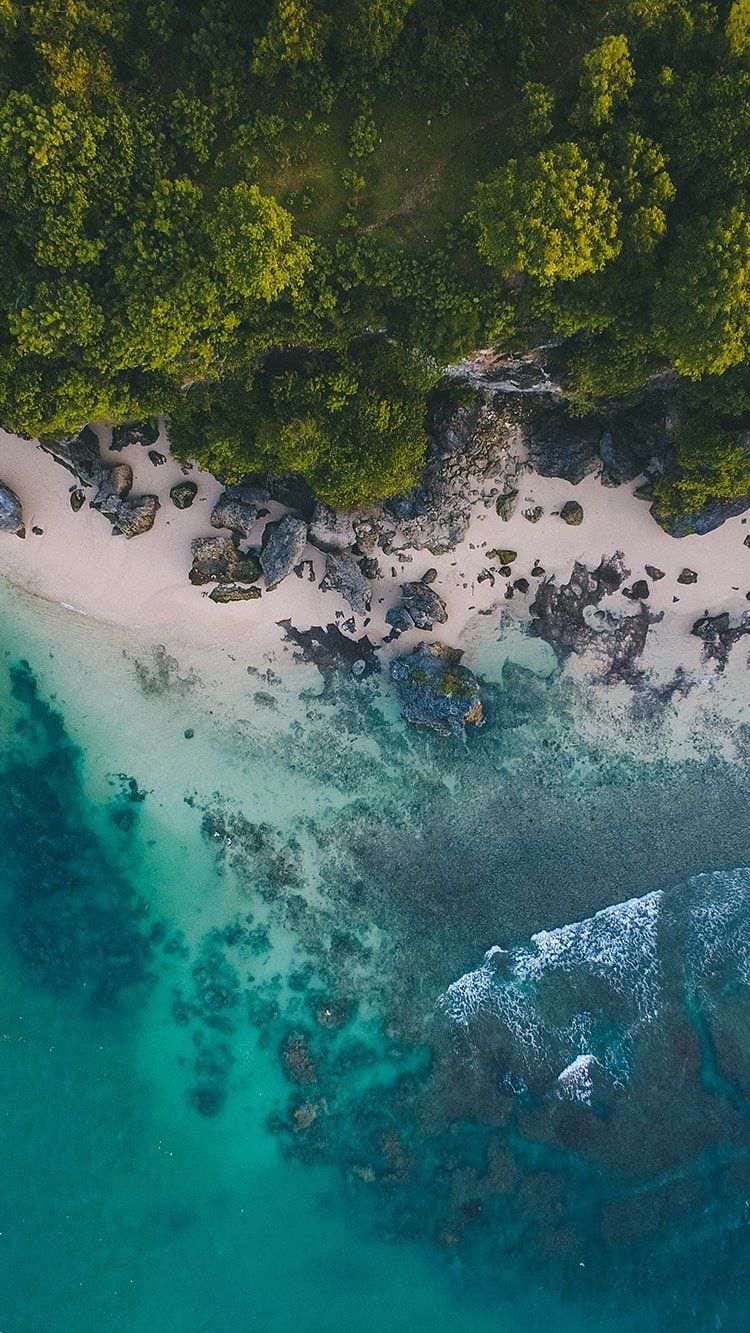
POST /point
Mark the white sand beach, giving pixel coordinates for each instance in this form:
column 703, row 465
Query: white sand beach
column 142, row 584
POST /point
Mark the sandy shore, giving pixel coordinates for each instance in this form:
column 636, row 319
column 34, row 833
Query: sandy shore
column 142, row 583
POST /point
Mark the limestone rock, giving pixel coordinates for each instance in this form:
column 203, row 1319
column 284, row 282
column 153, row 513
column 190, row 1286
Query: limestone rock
column 214, row 558
column 572, row 513
column 436, row 691
column 132, row 516
column 331, row 530
column 343, row 575
column 284, row 543
column 235, row 510
column 78, row 453
column 233, row 592
column 425, row 606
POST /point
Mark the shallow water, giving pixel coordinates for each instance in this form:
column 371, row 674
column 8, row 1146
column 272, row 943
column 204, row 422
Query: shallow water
column 242, row 1084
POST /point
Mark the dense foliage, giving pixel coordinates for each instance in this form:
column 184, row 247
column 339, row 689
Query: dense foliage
column 274, row 221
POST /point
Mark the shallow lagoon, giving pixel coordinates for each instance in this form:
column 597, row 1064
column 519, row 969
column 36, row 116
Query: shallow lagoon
column 231, row 1098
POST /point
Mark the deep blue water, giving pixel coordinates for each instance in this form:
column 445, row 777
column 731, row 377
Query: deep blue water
column 242, row 1084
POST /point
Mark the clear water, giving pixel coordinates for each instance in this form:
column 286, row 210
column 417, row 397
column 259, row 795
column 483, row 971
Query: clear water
column 240, row 1087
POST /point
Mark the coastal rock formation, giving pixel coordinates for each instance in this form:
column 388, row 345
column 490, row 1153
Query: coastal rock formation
column 331, row 530
column 563, row 446
column 719, row 636
column 570, row 619
column 436, row 691
column 701, row 521
column 420, row 607
column 284, row 543
column 135, row 432
column 343, row 575
column 11, row 513
column 236, row 510
column 78, row 453
column 183, row 494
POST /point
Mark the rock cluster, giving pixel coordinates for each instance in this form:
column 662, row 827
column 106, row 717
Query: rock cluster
column 436, row 691
column 130, row 515
column 719, row 636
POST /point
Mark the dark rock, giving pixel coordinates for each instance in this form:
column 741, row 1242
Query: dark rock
column 236, row 510
column 330, row 650
column 132, row 516
column 331, row 530
column 247, row 568
column 572, row 513
column 156, row 458
column 701, row 521
column 183, row 494
column 293, row 493
column 399, row 619
column 343, row 575
column 135, row 432
column 214, row 559
column 11, row 513
column 188, row 733
column 233, row 592
column 521, row 585
column 639, row 591
column 77, row 499
column 563, row 446
column 79, row 454
column 533, row 514
column 38, row 532
column 370, row 567
column 569, row 619
column 114, row 485
column 719, row 636
column 429, row 576
column 654, row 573
column 436, row 691
column 621, row 462
column 425, row 606
column 283, row 546
column 505, row 505
column 687, row 576
column 537, row 570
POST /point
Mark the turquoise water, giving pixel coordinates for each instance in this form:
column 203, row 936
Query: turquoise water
column 255, row 1074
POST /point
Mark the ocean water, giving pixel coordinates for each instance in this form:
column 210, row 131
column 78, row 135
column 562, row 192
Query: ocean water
column 312, row 1022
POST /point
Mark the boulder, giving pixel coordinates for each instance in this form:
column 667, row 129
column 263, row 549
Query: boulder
column 331, row 530
column 687, row 576
column 654, row 573
column 343, row 575
column 436, row 691
column 572, row 513
column 135, row 432
column 115, row 484
column 11, row 513
column 183, row 494
column 284, row 543
column 232, row 592
column 78, row 453
column 423, row 604
column 563, row 446
column 77, row 499
column 214, row 559
column 505, row 505
column 132, row 516
column 235, row 510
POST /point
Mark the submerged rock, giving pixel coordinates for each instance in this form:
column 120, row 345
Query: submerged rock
column 284, row 543
column 11, row 513
column 436, row 691
column 570, row 619
column 183, row 494
column 343, row 575
column 719, row 636
column 330, row 650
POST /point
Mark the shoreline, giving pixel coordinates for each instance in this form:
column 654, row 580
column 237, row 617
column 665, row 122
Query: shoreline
column 142, row 584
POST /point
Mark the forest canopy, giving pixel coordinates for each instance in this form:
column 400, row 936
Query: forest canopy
column 195, row 192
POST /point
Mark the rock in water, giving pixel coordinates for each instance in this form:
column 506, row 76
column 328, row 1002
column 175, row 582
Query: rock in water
column 331, row 530
column 436, row 691
column 283, row 546
column 135, row 432
column 719, row 636
column 11, row 514
column 235, row 510
column 183, row 494
column 343, row 575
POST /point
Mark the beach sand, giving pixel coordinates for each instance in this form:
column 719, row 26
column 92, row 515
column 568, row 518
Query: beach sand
column 142, row 584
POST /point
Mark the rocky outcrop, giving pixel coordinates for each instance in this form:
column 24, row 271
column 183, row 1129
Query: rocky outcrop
column 236, row 509
column 183, row 494
column 79, row 454
column 145, row 433
column 436, row 691
column 11, row 512
column 700, row 521
column 284, row 543
column 570, row 618
column 343, row 575
column 332, row 530
column 420, row 607
column 719, row 636
column 563, row 446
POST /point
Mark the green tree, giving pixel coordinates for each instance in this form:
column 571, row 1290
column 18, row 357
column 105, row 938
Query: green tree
column 607, row 77
column 702, row 309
